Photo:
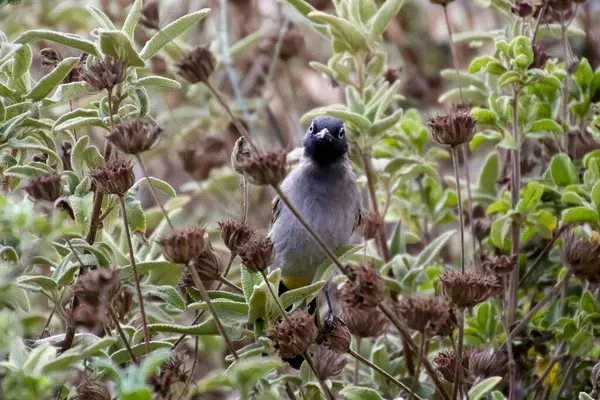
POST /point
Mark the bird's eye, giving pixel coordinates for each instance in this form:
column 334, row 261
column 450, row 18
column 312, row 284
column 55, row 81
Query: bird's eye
column 341, row 133
column 311, row 128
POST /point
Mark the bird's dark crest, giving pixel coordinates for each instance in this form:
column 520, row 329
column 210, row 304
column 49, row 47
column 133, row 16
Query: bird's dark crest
column 325, row 140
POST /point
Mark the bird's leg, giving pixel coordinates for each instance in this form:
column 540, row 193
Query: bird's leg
column 328, row 300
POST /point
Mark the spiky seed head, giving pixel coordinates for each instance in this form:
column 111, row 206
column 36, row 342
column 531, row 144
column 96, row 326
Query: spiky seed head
column 540, row 56
column 257, row 253
column 445, row 362
column 171, row 372
column 234, row 234
column 114, row 177
column 240, row 154
column 47, row 187
column 292, row 335
column 105, row 74
column 197, row 65
column 208, row 265
column 335, row 334
column 582, row 256
column 134, row 136
column 485, row 363
column 183, row 245
column 392, row 75
column 522, row 8
column 429, row 315
column 328, row 362
column 365, row 287
column 91, row 389
column 501, row 265
column 267, row 168
column 98, row 287
column 452, row 128
column 373, row 224
column 150, row 17
column 467, row 289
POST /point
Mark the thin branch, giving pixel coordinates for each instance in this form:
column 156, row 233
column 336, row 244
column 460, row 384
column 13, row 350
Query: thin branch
column 542, row 254
column 356, row 365
column 193, row 370
column 454, row 56
column 122, row 335
column 459, row 367
column 322, row 383
column 154, row 194
column 460, row 209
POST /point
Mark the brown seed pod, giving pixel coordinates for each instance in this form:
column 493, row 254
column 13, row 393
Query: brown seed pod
column 364, row 321
column 47, row 187
column 453, row 127
column 467, row 289
column 263, row 169
column 183, row 245
column 540, row 56
column 365, row 287
column 106, row 73
column 582, row 256
column 372, row 225
column 197, row 65
column 234, row 234
column 428, row 315
column 208, row 265
column 150, row 15
column 91, row 389
column 257, row 253
column 328, row 362
column 292, row 335
column 501, row 265
column 171, row 372
column 98, row 287
column 445, row 362
column 485, row 363
column 392, row 75
column 522, row 9
column 134, row 136
column 335, row 334
column 114, row 177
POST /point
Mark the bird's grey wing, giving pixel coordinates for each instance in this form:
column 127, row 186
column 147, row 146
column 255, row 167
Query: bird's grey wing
column 275, row 210
column 357, row 219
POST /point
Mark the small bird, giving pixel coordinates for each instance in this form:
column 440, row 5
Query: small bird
column 324, row 191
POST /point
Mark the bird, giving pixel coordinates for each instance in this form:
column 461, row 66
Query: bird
column 324, row 190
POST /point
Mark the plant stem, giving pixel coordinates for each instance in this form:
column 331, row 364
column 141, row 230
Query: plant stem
column 289, row 391
column 383, row 373
column 156, row 199
column 110, row 109
column 192, row 371
column 538, row 21
column 542, row 254
column 459, row 367
column 48, row 320
column 512, row 373
column 245, row 205
column 122, row 334
column 211, row 308
column 460, row 209
column 135, row 274
column 565, row 102
column 229, row 284
column 566, row 377
column 419, row 358
column 356, row 365
column 476, row 259
column 454, row 56
column 513, row 285
column 275, row 298
column 322, row 383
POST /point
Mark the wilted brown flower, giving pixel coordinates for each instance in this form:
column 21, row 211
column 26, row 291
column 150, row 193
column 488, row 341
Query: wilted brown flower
column 372, row 224
column 335, row 334
column 487, row 363
column 291, row 335
column 328, row 362
column 540, row 56
column 467, row 289
column 453, row 127
column 263, row 169
column 240, row 154
column 234, row 234
column 171, row 372
column 501, row 265
column 47, row 187
column 364, row 321
column 257, row 253
column 445, row 362
column 97, row 287
column 430, row 315
column 92, row 390
column 51, row 58
column 582, row 256
column 392, row 75
column 150, row 15
column 87, row 316
column 208, row 265
column 183, row 245
column 134, row 136
column 522, row 9
column 122, row 302
column 199, row 159
column 364, row 287
column 106, row 73
column 114, row 177
column 197, row 65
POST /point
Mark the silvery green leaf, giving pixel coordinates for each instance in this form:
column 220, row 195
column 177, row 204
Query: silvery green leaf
column 68, row 39
column 132, row 18
column 168, row 294
column 117, row 44
column 346, row 30
column 21, row 61
column 102, row 18
column 481, row 389
column 49, row 82
column 384, row 17
column 158, row 81
column 230, row 312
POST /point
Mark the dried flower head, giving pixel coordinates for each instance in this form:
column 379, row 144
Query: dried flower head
column 114, row 177
column 485, row 363
column 91, row 389
column 159, row 65
column 240, row 154
column 364, row 321
column 134, row 136
column 234, row 234
column 292, row 335
column 263, row 169
column 335, row 334
column 501, row 265
column 428, row 315
column 87, row 316
column 467, row 289
column 595, row 376
column 40, row 157
column 365, row 287
column 171, row 372
column 199, row 159
column 122, row 302
column 392, row 75
column 445, row 362
column 328, row 362
column 208, row 264
column 197, row 65
column 150, row 15
column 47, row 187
column 453, row 127
column 582, row 256
column 183, row 245
column 257, row 253
column 372, row 224
column 106, row 73
column 97, row 287
column 522, row 8
column 540, row 56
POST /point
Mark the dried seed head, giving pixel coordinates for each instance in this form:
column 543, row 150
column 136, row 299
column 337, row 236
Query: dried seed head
column 292, row 335
column 197, row 65
column 582, row 256
column 428, row 315
column 150, row 15
column 183, row 245
column 92, row 390
column 445, row 362
column 595, row 376
column 392, row 75
column 482, row 228
column 487, row 363
column 40, row 157
column 373, row 224
column 122, row 302
column 87, row 316
column 78, row 72
column 364, row 321
column 114, row 177
column 257, row 253
column 263, row 169
column 522, row 9
column 364, row 288
column 97, row 287
column 335, row 334
column 171, row 372
column 540, row 56
column 453, row 127
column 106, row 73
column 467, row 289
column 234, row 234
column 47, row 187
column 328, row 362
column 240, row 154
column 200, row 159
column 208, row 264
column 501, row 265
column 134, row 136
column 50, row 57
column 159, row 65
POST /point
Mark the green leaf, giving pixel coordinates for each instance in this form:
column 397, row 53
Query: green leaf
column 81, row 121
column 345, row 30
column 508, row 78
column 589, row 304
column 135, row 215
column 595, row 195
column 25, row 172
column 244, row 374
column 66, row 92
column 43, row 282
column 579, row 214
column 157, row 184
column 158, row 81
column 121, row 356
column 481, row 389
column 117, row 44
column 584, row 396
column 581, row 344
column 146, row 267
column 304, row 293
column 386, row 123
column 360, row 393
column 230, row 312
column 132, row 18
column 530, row 196
column 563, row 171
column 170, row 32
column 484, row 117
column 68, row 39
column 21, row 61
column 479, row 63
column 170, row 295
column 489, row 173
column 249, row 280
column 49, row 82
column 77, row 155
column 384, row 17
column 499, row 232
column 430, row 252
column 102, row 18
column 546, row 125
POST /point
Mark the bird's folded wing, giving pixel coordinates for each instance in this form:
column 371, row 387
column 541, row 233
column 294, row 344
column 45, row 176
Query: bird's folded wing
column 357, row 219
column 275, row 210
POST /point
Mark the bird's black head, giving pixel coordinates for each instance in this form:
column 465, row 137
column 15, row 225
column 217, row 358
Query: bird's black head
column 325, row 140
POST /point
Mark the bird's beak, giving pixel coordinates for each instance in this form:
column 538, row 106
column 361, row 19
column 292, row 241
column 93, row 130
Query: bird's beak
column 324, row 135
